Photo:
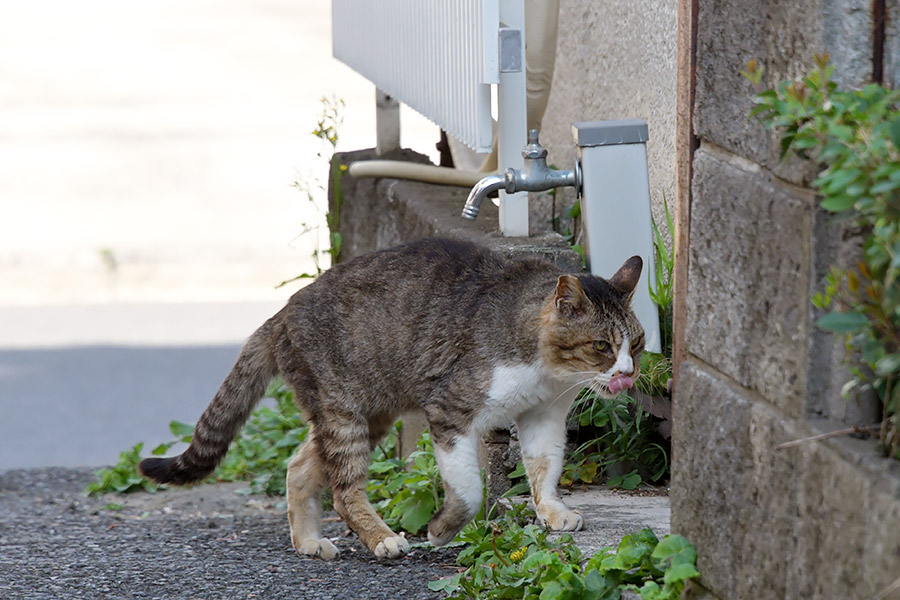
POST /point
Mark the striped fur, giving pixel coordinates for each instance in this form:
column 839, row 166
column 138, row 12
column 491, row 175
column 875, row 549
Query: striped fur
column 223, row 418
column 470, row 338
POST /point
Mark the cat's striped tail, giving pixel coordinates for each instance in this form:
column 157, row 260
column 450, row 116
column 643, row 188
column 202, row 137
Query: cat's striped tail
column 226, row 414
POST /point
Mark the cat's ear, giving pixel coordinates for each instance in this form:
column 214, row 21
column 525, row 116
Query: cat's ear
column 570, row 298
column 627, row 276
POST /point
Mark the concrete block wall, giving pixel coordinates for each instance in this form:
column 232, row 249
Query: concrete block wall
column 820, row 520
column 379, row 213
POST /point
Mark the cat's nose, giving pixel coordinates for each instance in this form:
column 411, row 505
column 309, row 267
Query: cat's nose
column 624, row 366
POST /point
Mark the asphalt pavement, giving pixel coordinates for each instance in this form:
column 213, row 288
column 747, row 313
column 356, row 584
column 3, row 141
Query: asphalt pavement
column 209, row 542
column 205, row 543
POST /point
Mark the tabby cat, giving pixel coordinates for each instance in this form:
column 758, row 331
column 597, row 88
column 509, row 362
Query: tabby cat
column 471, row 338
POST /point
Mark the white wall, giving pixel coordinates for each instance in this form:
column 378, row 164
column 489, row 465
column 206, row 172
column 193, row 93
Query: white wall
column 617, row 59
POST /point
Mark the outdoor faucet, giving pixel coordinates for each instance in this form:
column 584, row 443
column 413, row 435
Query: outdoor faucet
column 535, row 176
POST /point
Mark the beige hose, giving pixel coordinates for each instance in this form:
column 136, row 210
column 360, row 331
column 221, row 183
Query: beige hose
column 405, row 170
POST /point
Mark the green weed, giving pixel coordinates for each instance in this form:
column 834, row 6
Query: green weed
column 123, row 477
column 511, row 557
column 623, row 435
column 328, row 131
column 618, row 434
column 405, row 494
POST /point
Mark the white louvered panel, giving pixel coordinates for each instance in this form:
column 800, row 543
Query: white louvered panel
column 437, row 56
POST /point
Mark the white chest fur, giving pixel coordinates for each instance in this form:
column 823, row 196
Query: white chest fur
column 516, row 388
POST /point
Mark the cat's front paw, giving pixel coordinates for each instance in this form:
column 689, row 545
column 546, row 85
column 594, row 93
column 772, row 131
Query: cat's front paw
column 391, row 547
column 321, row 548
column 562, row 520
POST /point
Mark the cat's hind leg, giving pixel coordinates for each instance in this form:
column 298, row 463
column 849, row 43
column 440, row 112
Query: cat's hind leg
column 457, row 458
column 304, row 499
column 345, row 446
column 542, row 436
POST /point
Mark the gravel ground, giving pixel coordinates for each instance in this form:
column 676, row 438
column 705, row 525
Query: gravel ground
column 205, row 542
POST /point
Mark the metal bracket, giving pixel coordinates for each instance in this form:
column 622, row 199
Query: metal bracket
column 510, row 50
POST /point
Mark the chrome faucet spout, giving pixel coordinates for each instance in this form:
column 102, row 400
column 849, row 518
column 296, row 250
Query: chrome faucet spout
column 535, row 176
column 482, row 189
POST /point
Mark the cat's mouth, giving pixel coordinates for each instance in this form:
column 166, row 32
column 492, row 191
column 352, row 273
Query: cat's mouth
column 616, row 384
column 620, row 383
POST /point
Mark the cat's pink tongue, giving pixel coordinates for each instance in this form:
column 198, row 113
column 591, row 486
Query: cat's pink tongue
column 619, row 383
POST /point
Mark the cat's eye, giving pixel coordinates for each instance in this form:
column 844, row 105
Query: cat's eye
column 637, row 344
column 601, row 346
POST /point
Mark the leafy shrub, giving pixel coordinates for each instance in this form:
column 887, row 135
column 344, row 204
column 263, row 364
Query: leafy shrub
column 854, row 136
column 406, row 494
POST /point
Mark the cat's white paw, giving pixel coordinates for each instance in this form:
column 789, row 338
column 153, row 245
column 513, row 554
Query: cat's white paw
column 392, row 547
column 321, row 548
column 563, row 520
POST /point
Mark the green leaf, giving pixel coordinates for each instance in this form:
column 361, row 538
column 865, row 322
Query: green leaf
column 651, row 591
column 517, row 489
column 895, row 132
column 381, row 467
column 846, row 322
column 519, row 471
column 838, row 180
column 646, row 536
column 180, row 429
column 415, row 517
column 680, row 572
column 888, row 365
column 337, row 241
column 553, row 591
column 882, row 187
column 446, row 584
column 595, row 582
column 575, row 210
column 631, row 481
column 786, row 142
column 838, row 204
column 674, row 549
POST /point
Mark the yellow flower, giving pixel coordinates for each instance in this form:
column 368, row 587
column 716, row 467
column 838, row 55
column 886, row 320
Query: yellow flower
column 518, row 555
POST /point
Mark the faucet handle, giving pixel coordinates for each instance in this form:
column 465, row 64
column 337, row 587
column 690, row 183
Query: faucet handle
column 534, row 150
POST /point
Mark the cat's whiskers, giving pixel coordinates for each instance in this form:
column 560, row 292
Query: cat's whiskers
column 587, row 382
column 595, row 387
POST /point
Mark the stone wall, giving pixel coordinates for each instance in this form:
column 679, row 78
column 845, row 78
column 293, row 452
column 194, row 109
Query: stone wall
column 380, row 213
column 821, row 519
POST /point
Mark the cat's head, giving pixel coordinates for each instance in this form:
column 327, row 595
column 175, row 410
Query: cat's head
column 589, row 332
